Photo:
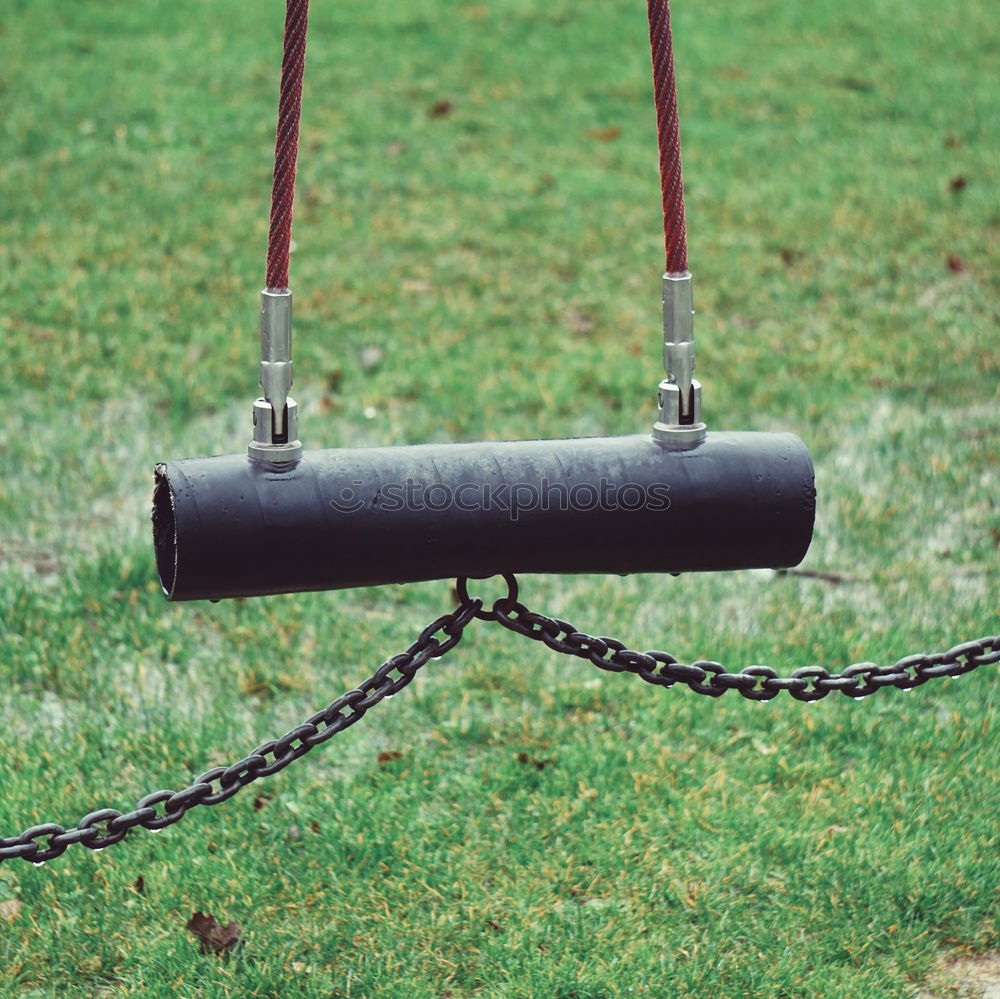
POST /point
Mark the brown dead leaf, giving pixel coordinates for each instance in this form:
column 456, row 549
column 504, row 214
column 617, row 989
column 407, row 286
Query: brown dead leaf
column 853, row 83
column 388, row 755
column 440, row 109
column 528, row 760
column 608, row 134
column 140, row 885
column 956, row 264
column 10, row 909
column 958, row 183
column 213, row 937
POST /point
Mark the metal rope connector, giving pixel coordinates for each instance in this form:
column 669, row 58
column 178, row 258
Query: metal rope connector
column 679, row 394
column 275, row 415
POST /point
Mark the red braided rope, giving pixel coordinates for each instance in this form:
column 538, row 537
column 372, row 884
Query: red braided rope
column 668, row 129
column 286, row 146
column 290, row 108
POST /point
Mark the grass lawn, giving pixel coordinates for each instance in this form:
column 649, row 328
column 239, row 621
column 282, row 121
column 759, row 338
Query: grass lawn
column 478, row 256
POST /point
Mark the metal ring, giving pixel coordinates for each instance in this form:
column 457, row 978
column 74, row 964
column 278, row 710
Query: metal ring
column 505, row 603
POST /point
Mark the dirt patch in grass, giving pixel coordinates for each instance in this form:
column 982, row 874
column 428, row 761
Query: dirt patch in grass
column 965, row 978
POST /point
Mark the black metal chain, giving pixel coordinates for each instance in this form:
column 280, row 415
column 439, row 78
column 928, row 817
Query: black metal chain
column 160, row 809
column 756, row 683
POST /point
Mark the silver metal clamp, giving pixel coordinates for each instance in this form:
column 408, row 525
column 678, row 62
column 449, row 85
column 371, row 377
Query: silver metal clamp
column 679, row 394
column 275, row 414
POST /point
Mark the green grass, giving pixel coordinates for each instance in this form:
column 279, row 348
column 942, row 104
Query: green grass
column 505, row 259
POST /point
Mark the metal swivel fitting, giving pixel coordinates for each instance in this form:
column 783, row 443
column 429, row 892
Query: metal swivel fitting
column 679, row 394
column 275, row 417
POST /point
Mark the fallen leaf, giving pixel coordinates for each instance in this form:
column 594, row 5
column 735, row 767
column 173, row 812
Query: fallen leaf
column 314, row 826
column 140, row 885
column 10, row 909
column 214, row 938
column 958, row 183
column 855, row 83
column 608, row 134
column 261, row 800
column 440, row 109
column 531, row 761
column 388, row 755
column 956, row 264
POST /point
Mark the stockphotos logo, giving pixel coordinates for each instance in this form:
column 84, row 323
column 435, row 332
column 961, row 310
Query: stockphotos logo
column 512, row 498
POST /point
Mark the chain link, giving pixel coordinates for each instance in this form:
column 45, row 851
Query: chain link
column 156, row 811
column 160, row 809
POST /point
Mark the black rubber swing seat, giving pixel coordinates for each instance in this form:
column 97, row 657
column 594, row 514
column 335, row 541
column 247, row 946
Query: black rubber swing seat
column 227, row 526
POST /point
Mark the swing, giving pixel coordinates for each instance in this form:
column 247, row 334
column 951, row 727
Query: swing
column 280, row 519
column 682, row 499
